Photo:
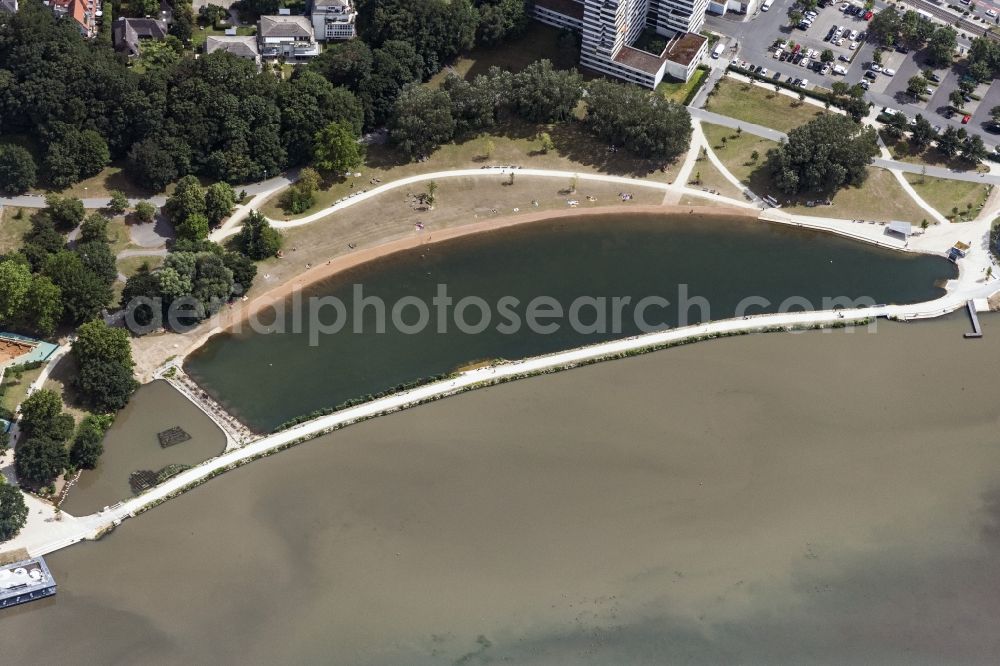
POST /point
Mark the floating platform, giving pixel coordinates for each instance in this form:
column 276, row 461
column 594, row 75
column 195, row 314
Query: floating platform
column 977, row 331
column 24, row 581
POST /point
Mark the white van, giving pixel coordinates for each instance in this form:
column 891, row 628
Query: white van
column 719, row 48
column 767, row 5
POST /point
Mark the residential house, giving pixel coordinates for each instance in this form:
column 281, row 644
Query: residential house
column 610, row 28
column 240, row 46
column 334, row 20
column 129, row 33
column 84, row 13
column 288, row 37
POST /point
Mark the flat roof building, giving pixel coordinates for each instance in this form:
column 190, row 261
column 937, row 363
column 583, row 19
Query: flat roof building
column 610, row 29
column 334, row 20
column 25, row 581
column 289, row 37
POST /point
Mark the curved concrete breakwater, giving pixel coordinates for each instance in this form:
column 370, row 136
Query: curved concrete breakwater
column 71, row 530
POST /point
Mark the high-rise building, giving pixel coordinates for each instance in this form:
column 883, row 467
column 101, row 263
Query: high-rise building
column 610, row 28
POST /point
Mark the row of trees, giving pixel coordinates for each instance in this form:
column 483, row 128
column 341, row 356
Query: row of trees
column 912, row 30
column 626, row 115
column 214, row 116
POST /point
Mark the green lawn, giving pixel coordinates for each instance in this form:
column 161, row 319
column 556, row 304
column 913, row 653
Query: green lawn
column 130, row 266
column 12, row 228
column 706, row 176
column 880, row 198
column 945, row 195
column 513, row 143
column 737, row 151
column 760, row 106
column 678, row 91
column 16, row 388
column 539, row 42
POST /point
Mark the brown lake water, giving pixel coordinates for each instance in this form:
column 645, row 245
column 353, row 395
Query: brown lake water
column 781, row 498
column 131, row 445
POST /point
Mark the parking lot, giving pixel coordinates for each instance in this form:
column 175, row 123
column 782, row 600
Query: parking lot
column 756, row 37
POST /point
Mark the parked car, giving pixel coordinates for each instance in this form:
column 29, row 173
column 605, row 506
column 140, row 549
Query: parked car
column 837, row 69
column 852, row 46
column 868, row 15
column 843, row 58
column 798, row 47
column 888, row 71
column 854, row 35
column 875, row 67
column 803, row 83
column 803, row 25
column 777, row 76
column 934, row 77
column 991, row 13
column 825, row 70
column 966, row 118
column 902, row 49
column 763, row 71
column 865, row 84
column 871, row 75
column 928, row 90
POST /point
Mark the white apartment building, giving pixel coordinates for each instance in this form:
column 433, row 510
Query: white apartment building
column 610, row 27
column 334, row 20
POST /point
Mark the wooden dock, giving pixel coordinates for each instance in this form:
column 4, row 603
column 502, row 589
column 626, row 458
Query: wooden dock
column 977, row 331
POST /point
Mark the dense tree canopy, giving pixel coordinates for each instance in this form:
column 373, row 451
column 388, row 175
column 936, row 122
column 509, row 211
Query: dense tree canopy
column 640, row 120
column 823, row 155
column 13, row 511
column 18, row 173
column 543, row 93
column 258, row 239
column 437, row 29
column 421, row 120
column 104, row 357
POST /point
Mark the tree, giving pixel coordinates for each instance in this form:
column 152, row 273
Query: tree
column 956, row 99
column 345, row 63
column 640, row 120
column 13, row 511
column 546, row 143
column 826, row 56
column 40, row 409
column 973, row 149
column 499, row 20
column 104, row 358
column 46, row 306
column 995, row 116
column 916, row 86
column 212, row 14
column 94, row 228
column 118, row 203
column 895, row 125
column 243, row 269
column 188, row 199
column 74, row 154
column 336, row 148
column 394, row 64
column 258, row 239
column 794, row 17
column 437, row 29
column 84, row 293
column 432, row 187
column 308, row 103
column 823, row 155
column 922, row 132
column 17, row 170
column 754, row 156
column 87, row 445
column 950, row 141
column 39, row 460
column 145, row 212
column 96, row 257
column 194, row 227
column 544, row 94
column 421, row 120
column 66, row 213
column 300, row 197
column 941, row 46
column 15, row 283
column 219, row 202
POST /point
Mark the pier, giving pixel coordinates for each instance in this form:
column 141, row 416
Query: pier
column 977, row 331
column 25, row 581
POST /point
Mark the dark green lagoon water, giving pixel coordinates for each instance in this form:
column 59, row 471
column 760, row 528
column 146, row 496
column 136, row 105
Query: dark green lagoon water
column 267, row 379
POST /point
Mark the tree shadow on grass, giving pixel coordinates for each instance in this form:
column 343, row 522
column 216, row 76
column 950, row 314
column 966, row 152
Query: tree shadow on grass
column 572, row 142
